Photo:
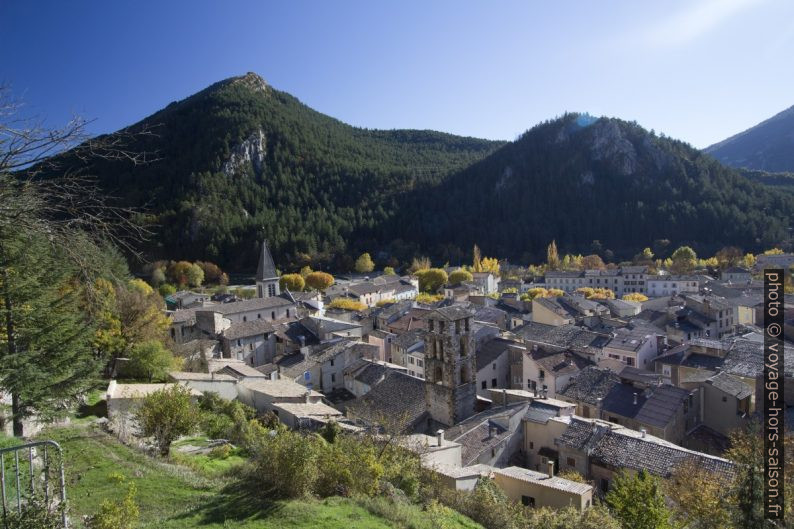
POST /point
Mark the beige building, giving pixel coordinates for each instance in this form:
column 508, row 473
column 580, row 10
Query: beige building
column 550, row 312
column 536, row 489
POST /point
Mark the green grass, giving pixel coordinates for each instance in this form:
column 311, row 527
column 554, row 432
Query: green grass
column 209, row 465
column 172, row 496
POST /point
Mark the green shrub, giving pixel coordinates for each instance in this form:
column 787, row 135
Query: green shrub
column 221, row 452
column 116, row 514
column 167, row 415
column 34, row 515
column 224, row 419
column 284, row 463
column 348, row 467
column 216, row 425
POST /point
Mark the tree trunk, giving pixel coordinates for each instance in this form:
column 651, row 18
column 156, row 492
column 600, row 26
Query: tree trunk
column 17, row 419
column 12, row 349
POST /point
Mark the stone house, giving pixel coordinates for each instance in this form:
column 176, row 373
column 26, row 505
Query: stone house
column 486, row 282
column 253, row 342
column 493, row 365
column 664, row 410
column 633, row 346
column 599, row 450
column 671, row 285
column 548, row 371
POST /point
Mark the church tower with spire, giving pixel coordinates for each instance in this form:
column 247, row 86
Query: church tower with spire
column 266, row 276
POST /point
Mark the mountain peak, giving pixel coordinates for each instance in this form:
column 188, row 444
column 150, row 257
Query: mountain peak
column 251, row 80
column 767, row 146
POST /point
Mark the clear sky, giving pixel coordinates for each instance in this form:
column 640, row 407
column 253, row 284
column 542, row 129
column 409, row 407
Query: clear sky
column 698, row 70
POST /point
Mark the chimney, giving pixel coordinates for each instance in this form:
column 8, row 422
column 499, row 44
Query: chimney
column 635, row 398
column 440, row 437
column 550, row 465
column 504, row 398
column 491, row 431
column 642, row 432
column 308, row 397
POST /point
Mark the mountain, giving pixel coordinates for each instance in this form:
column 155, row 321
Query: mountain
column 241, row 161
column 578, row 179
column 769, row 146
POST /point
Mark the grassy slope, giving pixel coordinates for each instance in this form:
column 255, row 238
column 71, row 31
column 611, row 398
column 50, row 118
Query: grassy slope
column 173, row 496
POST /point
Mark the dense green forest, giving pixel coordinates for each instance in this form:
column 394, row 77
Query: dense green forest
column 579, row 179
column 319, row 189
column 323, row 186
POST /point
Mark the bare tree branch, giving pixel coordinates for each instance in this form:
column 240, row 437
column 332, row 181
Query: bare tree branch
column 41, row 195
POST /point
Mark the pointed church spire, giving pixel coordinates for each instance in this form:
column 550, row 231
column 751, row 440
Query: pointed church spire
column 266, row 269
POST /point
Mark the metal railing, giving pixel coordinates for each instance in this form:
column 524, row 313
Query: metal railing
column 18, row 483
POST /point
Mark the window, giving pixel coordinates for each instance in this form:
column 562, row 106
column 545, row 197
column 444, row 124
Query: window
column 493, row 366
column 432, row 325
column 273, row 315
column 542, row 374
column 410, row 359
column 528, row 501
column 629, row 361
column 493, row 382
column 419, row 363
column 604, row 484
column 484, row 384
column 287, row 313
column 271, row 290
column 259, row 316
column 531, row 445
column 571, row 462
column 332, row 362
column 245, row 318
column 333, row 377
column 724, row 398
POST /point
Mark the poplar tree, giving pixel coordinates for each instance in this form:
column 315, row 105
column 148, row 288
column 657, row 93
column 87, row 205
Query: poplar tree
column 552, row 258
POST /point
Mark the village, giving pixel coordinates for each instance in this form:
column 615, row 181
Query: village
column 484, row 380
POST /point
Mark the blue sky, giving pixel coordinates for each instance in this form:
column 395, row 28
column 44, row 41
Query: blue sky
column 698, row 70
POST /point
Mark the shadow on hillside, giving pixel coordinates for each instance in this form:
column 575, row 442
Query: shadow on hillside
column 100, row 409
column 237, row 501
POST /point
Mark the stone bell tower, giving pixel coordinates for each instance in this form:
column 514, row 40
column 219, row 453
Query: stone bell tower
column 450, row 368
